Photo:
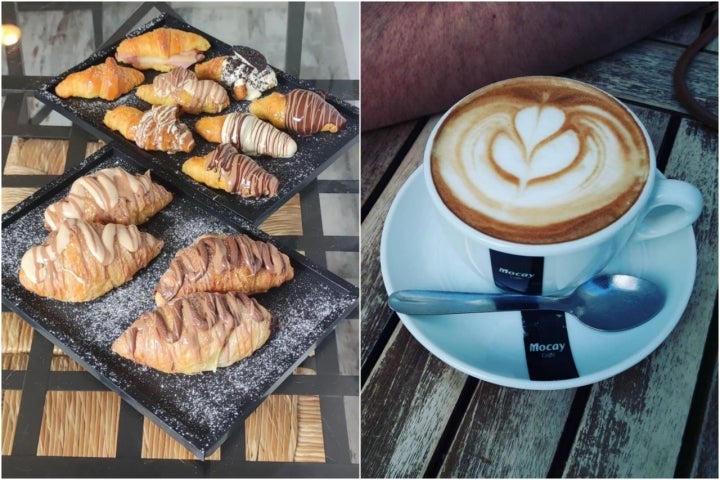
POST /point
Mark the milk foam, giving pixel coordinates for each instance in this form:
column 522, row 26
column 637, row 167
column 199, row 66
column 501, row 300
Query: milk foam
column 538, row 157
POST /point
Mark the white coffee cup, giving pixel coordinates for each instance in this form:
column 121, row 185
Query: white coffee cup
column 662, row 207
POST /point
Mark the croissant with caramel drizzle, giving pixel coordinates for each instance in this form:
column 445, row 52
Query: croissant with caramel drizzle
column 224, row 263
column 181, row 87
column 81, row 261
column 157, row 129
column 110, row 195
column 196, row 333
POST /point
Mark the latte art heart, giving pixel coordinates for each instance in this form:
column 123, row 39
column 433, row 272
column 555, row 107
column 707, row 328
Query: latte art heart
column 537, row 147
column 550, row 160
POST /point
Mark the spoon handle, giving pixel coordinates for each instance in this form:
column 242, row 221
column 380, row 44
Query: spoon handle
column 433, row 302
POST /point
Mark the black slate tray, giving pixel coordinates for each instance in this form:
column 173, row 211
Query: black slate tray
column 200, row 411
column 315, row 153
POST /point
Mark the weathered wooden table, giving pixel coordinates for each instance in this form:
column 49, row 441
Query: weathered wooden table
column 421, row 417
column 57, row 419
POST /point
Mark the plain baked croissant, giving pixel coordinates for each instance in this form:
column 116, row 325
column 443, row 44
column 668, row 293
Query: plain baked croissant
column 110, row 195
column 108, row 81
column 245, row 72
column 182, row 87
column 299, row 111
column 81, row 261
column 227, row 169
column 162, row 49
column 157, row 129
column 196, row 333
column 248, row 134
column 224, row 263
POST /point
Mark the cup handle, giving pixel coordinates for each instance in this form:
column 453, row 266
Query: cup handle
column 674, row 205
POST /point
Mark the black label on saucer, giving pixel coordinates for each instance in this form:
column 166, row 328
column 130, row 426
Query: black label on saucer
column 547, row 346
column 517, row 273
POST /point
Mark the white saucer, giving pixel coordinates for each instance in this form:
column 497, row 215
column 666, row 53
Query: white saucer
column 415, row 252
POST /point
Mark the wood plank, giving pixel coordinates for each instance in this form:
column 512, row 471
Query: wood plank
column 643, row 73
column 501, row 426
column 375, row 314
column 379, row 148
column 405, row 406
column 705, row 462
column 634, row 422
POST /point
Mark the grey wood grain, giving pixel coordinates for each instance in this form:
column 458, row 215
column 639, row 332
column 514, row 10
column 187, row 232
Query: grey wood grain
column 705, row 461
column 405, row 406
column 379, row 148
column 508, row 433
column 634, row 422
column 375, row 314
column 643, row 73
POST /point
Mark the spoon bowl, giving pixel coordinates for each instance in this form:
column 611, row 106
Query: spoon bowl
column 608, row 303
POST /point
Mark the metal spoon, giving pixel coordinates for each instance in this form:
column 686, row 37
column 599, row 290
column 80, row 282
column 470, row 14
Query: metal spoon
column 607, row 302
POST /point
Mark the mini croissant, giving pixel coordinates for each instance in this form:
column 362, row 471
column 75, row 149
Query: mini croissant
column 245, row 72
column 81, row 261
column 162, row 49
column 108, row 81
column 196, row 333
column 157, row 129
column 300, row 111
column 248, row 134
column 110, row 195
column 224, row 263
column 181, row 87
column 227, row 169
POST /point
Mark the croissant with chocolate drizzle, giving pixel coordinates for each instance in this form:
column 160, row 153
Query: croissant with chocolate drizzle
column 182, row 87
column 110, row 195
column 227, row 169
column 299, row 111
column 248, row 134
column 81, row 261
column 224, row 263
column 196, row 333
column 157, row 129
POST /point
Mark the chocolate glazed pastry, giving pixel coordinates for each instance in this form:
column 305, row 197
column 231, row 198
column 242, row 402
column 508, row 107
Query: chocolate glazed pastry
column 230, row 170
column 196, row 333
column 300, row 111
column 223, row 263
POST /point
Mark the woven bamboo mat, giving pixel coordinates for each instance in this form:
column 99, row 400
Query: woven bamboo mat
column 284, row 428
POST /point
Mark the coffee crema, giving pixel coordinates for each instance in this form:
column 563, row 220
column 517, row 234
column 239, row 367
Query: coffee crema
column 539, row 160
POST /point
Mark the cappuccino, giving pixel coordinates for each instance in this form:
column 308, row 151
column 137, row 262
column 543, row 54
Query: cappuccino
column 539, row 160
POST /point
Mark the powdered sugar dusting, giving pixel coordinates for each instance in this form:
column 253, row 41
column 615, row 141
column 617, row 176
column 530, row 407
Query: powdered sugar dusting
column 200, row 409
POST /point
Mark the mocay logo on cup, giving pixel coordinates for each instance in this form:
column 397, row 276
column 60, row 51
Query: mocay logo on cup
column 548, row 347
column 515, row 274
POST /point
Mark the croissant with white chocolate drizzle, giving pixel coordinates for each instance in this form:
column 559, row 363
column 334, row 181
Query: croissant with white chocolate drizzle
column 81, row 261
column 110, row 195
column 224, row 263
column 196, row 333
column 157, row 129
column 182, row 87
column 227, row 169
column 248, row 134
column 299, row 111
